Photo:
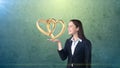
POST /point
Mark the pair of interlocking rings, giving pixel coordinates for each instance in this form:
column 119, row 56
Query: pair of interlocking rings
column 50, row 30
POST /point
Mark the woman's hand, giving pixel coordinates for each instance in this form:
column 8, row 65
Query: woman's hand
column 54, row 40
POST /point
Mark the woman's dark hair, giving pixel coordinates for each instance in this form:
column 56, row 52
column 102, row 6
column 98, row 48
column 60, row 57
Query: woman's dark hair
column 78, row 24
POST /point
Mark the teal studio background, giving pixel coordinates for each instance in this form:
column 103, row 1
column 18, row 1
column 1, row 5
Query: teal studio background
column 23, row 46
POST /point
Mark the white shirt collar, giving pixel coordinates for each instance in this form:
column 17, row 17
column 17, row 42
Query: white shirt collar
column 77, row 39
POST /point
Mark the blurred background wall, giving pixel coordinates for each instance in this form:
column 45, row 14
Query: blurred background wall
column 23, row 46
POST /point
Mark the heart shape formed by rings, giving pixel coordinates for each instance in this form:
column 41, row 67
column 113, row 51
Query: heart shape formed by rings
column 50, row 30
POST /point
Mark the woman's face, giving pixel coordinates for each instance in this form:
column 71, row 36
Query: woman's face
column 72, row 28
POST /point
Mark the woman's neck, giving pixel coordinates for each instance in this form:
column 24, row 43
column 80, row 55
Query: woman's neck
column 75, row 36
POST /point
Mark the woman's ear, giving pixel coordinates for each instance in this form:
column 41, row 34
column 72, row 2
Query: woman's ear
column 77, row 28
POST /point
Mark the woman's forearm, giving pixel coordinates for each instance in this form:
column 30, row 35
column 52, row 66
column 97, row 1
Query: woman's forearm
column 59, row 46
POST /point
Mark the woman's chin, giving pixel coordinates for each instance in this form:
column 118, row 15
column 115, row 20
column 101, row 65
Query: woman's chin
column 70, row 33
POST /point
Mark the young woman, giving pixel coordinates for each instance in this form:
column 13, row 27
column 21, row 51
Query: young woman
column 77, row 48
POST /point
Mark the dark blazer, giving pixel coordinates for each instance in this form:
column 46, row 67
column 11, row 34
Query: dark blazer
column 82, row 54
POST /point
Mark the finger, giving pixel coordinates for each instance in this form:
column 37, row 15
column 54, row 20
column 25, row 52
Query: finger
column 50, row 40
column 47, row 39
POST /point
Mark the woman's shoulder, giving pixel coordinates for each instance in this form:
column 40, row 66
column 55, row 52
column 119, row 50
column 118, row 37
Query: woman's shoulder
column 69, row 39
column 86, row 41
